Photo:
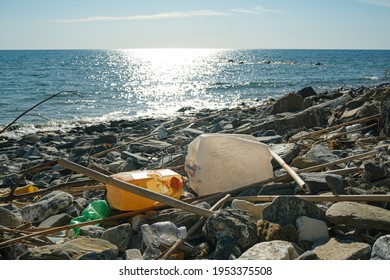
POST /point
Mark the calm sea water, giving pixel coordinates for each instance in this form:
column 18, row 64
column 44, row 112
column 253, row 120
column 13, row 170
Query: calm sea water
column 115, row 84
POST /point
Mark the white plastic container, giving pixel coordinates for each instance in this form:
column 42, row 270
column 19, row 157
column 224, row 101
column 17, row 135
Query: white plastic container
column 223, row 162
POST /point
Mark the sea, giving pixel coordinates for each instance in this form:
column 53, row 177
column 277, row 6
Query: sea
column 104, row 85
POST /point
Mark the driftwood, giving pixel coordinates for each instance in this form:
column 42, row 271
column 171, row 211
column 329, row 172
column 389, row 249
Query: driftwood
column 290, row 171
column 320, row 198
column 319, row 132
column 33, row 107
column 134, row 189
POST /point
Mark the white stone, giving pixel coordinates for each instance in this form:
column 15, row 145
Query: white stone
column 272, row 250
column 310, row 229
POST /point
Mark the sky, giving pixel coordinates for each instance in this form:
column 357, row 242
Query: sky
column 240, row 24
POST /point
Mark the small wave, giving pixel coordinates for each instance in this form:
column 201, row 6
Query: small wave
column 372, row 78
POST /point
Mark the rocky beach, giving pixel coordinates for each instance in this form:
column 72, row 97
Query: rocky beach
column 337, row 142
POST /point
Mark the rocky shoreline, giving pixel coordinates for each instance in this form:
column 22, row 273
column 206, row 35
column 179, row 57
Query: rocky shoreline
column 346, row 132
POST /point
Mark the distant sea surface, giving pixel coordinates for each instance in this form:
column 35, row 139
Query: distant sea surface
column 125, row 84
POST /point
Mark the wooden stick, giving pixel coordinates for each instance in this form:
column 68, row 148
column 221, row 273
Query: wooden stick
column 134, row 189
column 320, row 198
column 318, row 132
column 329, row 164
column 290, row 171
column 33, row 107
column 344, row 133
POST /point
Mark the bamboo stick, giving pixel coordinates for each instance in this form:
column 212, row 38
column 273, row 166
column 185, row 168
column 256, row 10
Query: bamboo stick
column 318, row 132
column 290, row 171
column 329, row 164
column 345, row 133
column 320, row 198
column 134, row 189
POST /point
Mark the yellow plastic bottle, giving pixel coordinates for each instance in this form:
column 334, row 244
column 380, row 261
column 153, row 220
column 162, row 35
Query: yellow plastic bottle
column 163, row 181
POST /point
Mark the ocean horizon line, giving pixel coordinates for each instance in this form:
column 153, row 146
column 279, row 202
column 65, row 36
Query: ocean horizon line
column 195, row 48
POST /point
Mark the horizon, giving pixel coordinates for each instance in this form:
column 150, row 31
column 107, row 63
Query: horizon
column 212, row 24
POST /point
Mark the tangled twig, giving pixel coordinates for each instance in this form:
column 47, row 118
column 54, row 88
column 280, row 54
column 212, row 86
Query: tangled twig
column 33, row 107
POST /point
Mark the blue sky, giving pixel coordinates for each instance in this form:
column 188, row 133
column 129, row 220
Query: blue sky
column 109, row 24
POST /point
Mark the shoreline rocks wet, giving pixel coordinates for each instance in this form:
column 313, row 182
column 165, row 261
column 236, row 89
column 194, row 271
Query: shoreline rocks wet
column 305, row 129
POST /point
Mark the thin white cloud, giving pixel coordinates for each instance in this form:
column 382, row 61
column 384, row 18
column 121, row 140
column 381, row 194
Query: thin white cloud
column 382, row 3
column 258, row 10
column 169, row 15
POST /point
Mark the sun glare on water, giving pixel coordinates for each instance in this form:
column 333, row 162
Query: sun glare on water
column 164, row 78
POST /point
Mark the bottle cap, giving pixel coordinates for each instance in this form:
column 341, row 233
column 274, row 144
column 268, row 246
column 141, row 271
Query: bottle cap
column 182, row 232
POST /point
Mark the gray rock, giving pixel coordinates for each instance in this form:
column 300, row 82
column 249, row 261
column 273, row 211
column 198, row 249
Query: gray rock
column 76, row 249
column 91, row 231
column 271, row 250
column 336, row 184
column 286, row 151
column 384, row 124
column 359, row 215
column 317, row 182
column 288, row 103
column 303, row 162
column 31, row 138
column 179, row 217
column 56, row 221
column 311, row 117
column 229, row 223
column 34, row 151
column 373, row 171
column 306, row 92
column 162, row 133
column 381, row 248
column 107, row 139
column 226, row 249
column 308, row 255
column 119, row 236
column 133, row 254
column 276, row 139
column 10, row 218
column 312, row 229
column 337, row 249
column 137, row 159
column 321, row 154
column 17, row 251
column 51, row 204
column 285, row 210
column 277, row 189
column 11, row 179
